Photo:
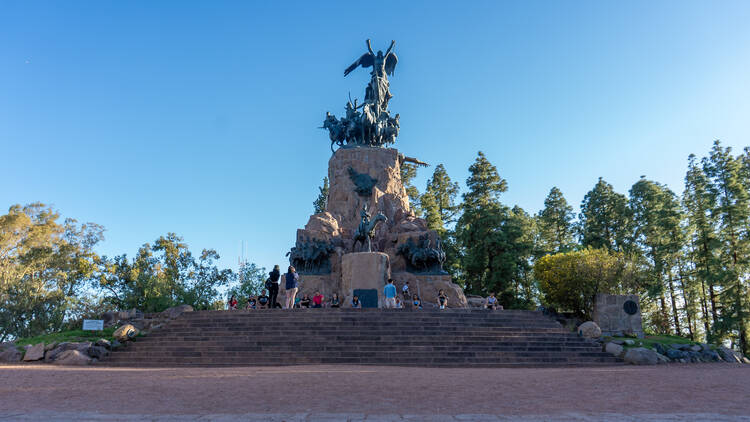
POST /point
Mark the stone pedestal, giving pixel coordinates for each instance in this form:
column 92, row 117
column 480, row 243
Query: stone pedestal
column 427, row 287
column 364, row 270
column 618, row 314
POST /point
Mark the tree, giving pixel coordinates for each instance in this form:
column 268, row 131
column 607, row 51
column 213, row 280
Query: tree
column 486, row 259
column 699, row 202
column 604, row 218
column 252, row 280
column 733, row 214
column 556, row 223
column 658, row 237
column 408, row 173
column 44, row 264
column 439, row 200
column 320, row 203
column 164, row 275
column 570, row 281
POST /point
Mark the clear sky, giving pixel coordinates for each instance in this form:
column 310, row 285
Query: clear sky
column 201, row 118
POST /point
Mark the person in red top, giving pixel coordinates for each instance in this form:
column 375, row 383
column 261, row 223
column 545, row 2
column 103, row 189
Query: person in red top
column 317, row 300
column 233, row 303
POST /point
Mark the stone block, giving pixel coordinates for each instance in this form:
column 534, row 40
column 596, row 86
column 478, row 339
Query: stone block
column 611, row 316
column 641, row 356
column 364, row 270
column 35, row 352
column 428, row 286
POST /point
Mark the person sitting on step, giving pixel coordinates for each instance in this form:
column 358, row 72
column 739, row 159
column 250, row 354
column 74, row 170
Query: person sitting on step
column 491, row 302
column 317, row 300
column 442, row 299
column 416, row 302
column 251, row 303
column 356, row 304
column 399, row 303
column 263, row 301
column 335, row 302
column 233, row 303
column 305, row 302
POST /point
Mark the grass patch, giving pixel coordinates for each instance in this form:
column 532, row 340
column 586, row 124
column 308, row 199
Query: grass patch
column 650, row 340
column 70, row 336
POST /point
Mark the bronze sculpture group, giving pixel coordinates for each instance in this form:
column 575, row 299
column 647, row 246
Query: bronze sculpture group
column 369, row 123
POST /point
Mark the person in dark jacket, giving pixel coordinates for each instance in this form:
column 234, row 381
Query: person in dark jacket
column 272, row 284
column 291, row 286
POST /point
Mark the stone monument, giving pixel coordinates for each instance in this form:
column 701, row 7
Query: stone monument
column 618, row 315
column 368, row 231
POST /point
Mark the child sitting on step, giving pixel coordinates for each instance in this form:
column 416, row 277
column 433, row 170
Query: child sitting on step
column 416, row 302
column 356, row 304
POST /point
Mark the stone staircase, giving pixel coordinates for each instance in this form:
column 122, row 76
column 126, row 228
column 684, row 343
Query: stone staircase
column 459, row 338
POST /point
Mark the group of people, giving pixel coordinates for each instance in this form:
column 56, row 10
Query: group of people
column 268, row 299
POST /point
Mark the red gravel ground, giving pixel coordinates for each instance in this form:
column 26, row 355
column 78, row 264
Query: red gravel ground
column 715, row 389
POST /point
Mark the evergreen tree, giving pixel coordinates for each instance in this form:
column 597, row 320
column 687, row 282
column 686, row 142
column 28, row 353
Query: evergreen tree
column 605, row 218
column 658, row 237
column 320, row 203
column 555, row 223
column 699, row 202
column 439, row 200
column 733, row 213
column 485, row 260
column 408, row 173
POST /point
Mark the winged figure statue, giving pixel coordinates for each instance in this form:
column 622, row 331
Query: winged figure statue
column 383, row 65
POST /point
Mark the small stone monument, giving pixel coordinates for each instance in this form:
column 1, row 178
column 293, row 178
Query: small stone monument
column 618, row 315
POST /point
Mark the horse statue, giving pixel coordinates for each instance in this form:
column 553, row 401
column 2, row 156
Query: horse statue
column 366, row 230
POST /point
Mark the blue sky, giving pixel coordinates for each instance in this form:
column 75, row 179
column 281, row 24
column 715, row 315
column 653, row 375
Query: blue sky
column 201, row 118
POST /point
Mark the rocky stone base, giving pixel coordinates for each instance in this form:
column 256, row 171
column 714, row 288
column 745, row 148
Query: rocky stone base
column 674, row 353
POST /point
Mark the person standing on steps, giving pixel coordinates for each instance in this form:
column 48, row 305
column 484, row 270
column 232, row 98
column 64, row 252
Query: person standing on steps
column 291, row 286
column 389, row 291
column 272, row 284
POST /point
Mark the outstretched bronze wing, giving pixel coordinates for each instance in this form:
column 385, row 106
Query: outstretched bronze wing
column 366, row 60
column 390, row 63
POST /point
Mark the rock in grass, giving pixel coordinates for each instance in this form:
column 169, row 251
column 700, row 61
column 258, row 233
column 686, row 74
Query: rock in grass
column 35, row 352
column 53, row 354
column 614, row 349
column 73, row 358
column 102, row 342
column 728, row 355
column 641, row 356
column 10, row 355
column 98, row 352
column 589, row 329
column 125, row 333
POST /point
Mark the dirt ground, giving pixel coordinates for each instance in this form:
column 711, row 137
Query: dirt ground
column 622, row 393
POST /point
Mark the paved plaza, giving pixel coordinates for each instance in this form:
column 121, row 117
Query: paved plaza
column 709, row 392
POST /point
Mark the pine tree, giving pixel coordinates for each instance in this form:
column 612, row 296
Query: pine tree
column 441, row 195
column 658, row 237
column 555, row 223
column 321, row 202
column 484, row 246
column 733, row 212
column 604, row 221
column 408, row 173
column 698, row 202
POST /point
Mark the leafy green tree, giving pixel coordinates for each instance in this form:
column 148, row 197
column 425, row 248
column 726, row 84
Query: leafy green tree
column 44, row 266
column 733, row 213
column 252, row 279
column 605, row 218
column 321, row 201
column 555, row 221
column 659, row 238
column 164, row 275
column 570, row 281
column 439, row 200
column 408, row 173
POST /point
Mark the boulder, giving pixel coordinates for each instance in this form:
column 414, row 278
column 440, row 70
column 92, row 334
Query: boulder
column 728, row 355
column 710, row 356
column 675, row 354
column 72, row 357
column 662, row 358
column 614, row 349
column 10, row 355
column 35, row 352
column 475, row 301
column 660, row 348
column 55, row 353
column 745, row 360
column 102, row 342
column 125, row 333
column 680, row 346
column 116, row 345
column 98, row 352
column 176, row 311
column 695, row 348
column 620, row 342
column 641, row 356
column 630, row 342
column 50, row 346
column 589, row 329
